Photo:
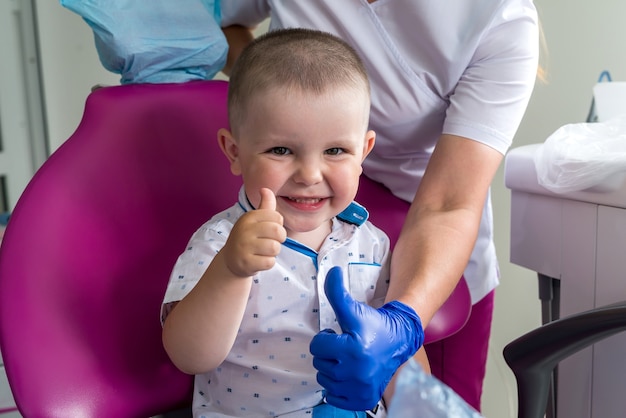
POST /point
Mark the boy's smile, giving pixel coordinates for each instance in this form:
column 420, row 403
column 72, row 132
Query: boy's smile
column 302, row 203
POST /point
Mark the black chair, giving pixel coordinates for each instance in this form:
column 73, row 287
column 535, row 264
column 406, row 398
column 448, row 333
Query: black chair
column 533, row 356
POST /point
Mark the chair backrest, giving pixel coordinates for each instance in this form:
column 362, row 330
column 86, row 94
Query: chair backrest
column 90, row 245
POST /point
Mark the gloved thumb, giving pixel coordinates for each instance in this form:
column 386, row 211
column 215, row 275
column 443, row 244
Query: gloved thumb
column 268, row 199
column 347, row 310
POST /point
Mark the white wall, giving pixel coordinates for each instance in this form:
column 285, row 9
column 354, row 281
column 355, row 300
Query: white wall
column 70, row 68
column 583, row 37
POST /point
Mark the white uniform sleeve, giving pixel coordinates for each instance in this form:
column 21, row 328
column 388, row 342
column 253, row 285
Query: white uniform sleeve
column 248, row 13
column 492, row 95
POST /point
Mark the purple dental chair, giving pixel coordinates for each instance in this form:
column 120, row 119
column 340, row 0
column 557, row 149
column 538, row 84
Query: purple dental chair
column 90, row 245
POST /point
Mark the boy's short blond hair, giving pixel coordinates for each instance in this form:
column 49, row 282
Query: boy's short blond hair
column 304, row 60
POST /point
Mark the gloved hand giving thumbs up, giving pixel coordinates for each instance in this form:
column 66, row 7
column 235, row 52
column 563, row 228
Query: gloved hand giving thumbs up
column 355, row 367
column 256, row 238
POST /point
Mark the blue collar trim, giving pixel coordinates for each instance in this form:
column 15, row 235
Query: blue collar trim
column 354, row 214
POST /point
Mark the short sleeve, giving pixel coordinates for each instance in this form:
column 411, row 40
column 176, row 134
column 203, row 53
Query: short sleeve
column 492, row 95
column 248, row 13
column 192, row 263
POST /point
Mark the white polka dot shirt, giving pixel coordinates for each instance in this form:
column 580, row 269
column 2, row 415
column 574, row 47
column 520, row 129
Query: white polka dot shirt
column 269, row 371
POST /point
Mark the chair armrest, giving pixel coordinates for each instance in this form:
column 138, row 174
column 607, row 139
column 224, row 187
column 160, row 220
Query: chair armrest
column 533, row 356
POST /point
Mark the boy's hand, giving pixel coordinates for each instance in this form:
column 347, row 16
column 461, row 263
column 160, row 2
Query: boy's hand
column 256, row 238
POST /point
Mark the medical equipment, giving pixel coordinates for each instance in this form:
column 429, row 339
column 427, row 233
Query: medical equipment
column 575, row 242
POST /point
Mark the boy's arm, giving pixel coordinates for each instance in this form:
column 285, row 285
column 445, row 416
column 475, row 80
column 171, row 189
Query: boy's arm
column 200, row 330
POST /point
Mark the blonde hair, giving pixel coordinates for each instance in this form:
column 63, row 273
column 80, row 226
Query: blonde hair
column 542, row 68
column 301, row 59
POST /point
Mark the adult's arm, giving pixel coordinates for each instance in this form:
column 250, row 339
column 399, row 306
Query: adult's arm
column 239, row 20
column 442, row 224
column 238, row 37
column 487, row 104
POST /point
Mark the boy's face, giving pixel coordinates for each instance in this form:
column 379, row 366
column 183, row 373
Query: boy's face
column 306, row 148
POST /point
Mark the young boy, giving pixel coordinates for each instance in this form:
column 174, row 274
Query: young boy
column 247, row 296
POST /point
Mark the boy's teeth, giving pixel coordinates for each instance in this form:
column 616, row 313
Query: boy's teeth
column 298, row 200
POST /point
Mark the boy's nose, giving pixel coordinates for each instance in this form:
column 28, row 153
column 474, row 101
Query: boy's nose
column 309, row 172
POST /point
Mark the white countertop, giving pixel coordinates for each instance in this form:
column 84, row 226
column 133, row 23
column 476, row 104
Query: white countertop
column 520, row 175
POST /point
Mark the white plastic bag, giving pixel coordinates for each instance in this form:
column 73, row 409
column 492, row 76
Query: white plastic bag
column 418, row 394
column 583, row 156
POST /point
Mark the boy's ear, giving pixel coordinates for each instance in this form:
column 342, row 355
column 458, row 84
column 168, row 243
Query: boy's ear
column 370, row 140
column 230, row 149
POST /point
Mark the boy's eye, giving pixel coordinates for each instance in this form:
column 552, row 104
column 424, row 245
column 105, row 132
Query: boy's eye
column 335, row 151
column 279, row 151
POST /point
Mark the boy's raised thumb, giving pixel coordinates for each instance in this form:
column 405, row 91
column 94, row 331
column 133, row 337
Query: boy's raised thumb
column 268, row 199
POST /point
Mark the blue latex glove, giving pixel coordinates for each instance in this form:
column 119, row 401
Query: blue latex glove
column 328, row 411
column 355, row 367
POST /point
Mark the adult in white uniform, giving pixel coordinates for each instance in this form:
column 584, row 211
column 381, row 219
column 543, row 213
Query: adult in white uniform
column 450, row 83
